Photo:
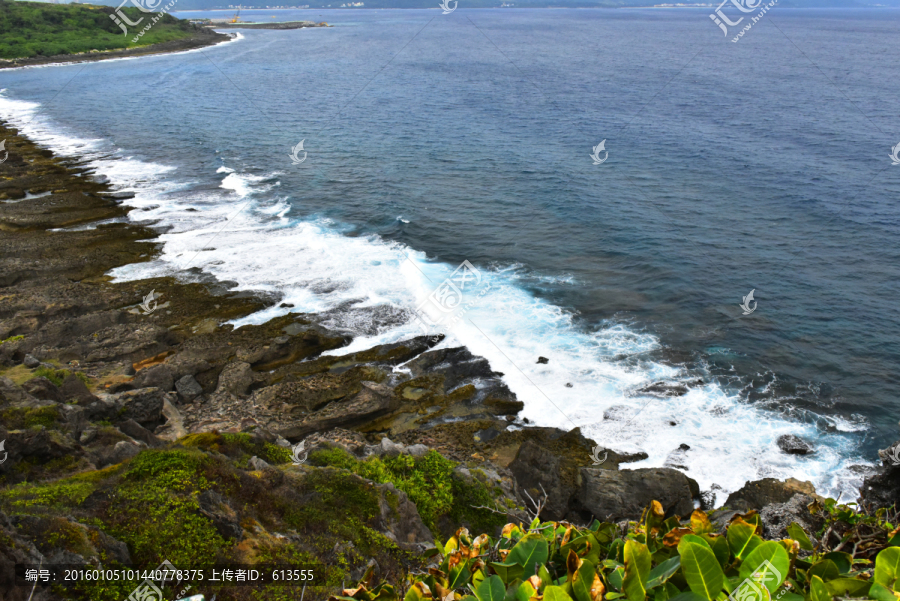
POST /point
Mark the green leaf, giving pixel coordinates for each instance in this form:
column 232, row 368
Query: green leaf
column 848, row 587
column 508, row 571
column 459, row 575
column 637, row 570
column 817, row 590
column 880, row 593
column 556, row 593
column 796, row 532
column 616, row 578
column 491, row 589
column 525, row 591
column 528, row 552
column 699, row 540
column 687, row 596
column 768, row 564
column 887, row 567
column 740, row 537
column 583, row 580
column 843, row 561
column 825, row 570
column 544, row 574
column 663, row 572
column 701, row 569
column 614, row 595
column 721, row 549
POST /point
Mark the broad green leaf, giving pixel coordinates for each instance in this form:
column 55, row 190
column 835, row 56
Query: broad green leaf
column 616, row 578
column 740, row 537
column 415, row 593
column 848, row 587
column 544, row 575
column 721, row 549
column 614, row 596
column 887, row 567
column 556, row 593
column 637, row 570
column 525, row 591
column 796, row 532
column 687, row 596
column 817, row 590
column 768, row 564
column 586, row 585
column 693, row 538
column 825, row 570
column 528, row 552
column 843, row 561
column 491, row 589
column 783, row 596
column 459, row 575
column 701, row 569
column 880, row 593
column 661, row 573
column 508, row 571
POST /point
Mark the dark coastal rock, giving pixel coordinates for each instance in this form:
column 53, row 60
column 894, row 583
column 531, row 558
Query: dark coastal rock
column 44, row 389
column 457, row 365
column 138, row 432
column 188, row 388
column 236, row 379
column 373, row 400
column 759, row 493
column 158, row 376
column 119, row 452
column 143, row 405
column 665, row 389
column 882, row 489
column 776, row 517
column 75, row 391
column 17, row 549
column 30, row 362
column 535, row 467
column 543, row 360
column 224, row 518
column 10, row 393
column 90, row 542
column 794, row 445
column 400, row 520
column 618, row 495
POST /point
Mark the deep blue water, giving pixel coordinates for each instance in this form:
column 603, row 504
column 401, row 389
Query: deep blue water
column 762, row 164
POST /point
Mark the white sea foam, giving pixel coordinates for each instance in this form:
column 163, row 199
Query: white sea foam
column 369, row 286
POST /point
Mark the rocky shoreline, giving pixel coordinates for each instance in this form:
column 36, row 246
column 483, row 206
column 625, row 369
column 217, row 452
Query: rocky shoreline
column 202, row 38
column 100, row 384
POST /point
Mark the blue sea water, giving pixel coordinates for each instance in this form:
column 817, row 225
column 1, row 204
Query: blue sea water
column 434, row 139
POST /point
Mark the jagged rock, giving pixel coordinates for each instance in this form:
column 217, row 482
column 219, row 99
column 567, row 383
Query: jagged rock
column 223, row 517
column 759, row 493
column 87, row 436
column 400, row 520
column 75, row 391
column 794, row 445
column 188, row 388
column 121, row 451
column 417, row 450
column 10, row 393
column 74, row 419
column 30, row 362
column 616, row 495
column 257, row 464
column 138, row 432
column 90, row 542
column 543, row 360
column 776, row 517
column 159, row 376
column 103, row 409
column 665, row 389
column 883, row 488
column 374, row 400
column 44, row 389
column 14, row 549
column 174, row 428
column 236, row 379
column 143, row 405
column 534, row 467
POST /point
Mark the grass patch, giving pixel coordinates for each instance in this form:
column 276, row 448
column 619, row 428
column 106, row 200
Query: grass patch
column 58, row 376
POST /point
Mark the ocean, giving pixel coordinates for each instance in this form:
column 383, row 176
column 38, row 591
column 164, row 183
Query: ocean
column 431, row 140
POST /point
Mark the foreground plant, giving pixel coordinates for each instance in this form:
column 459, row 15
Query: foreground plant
column 661, row 558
